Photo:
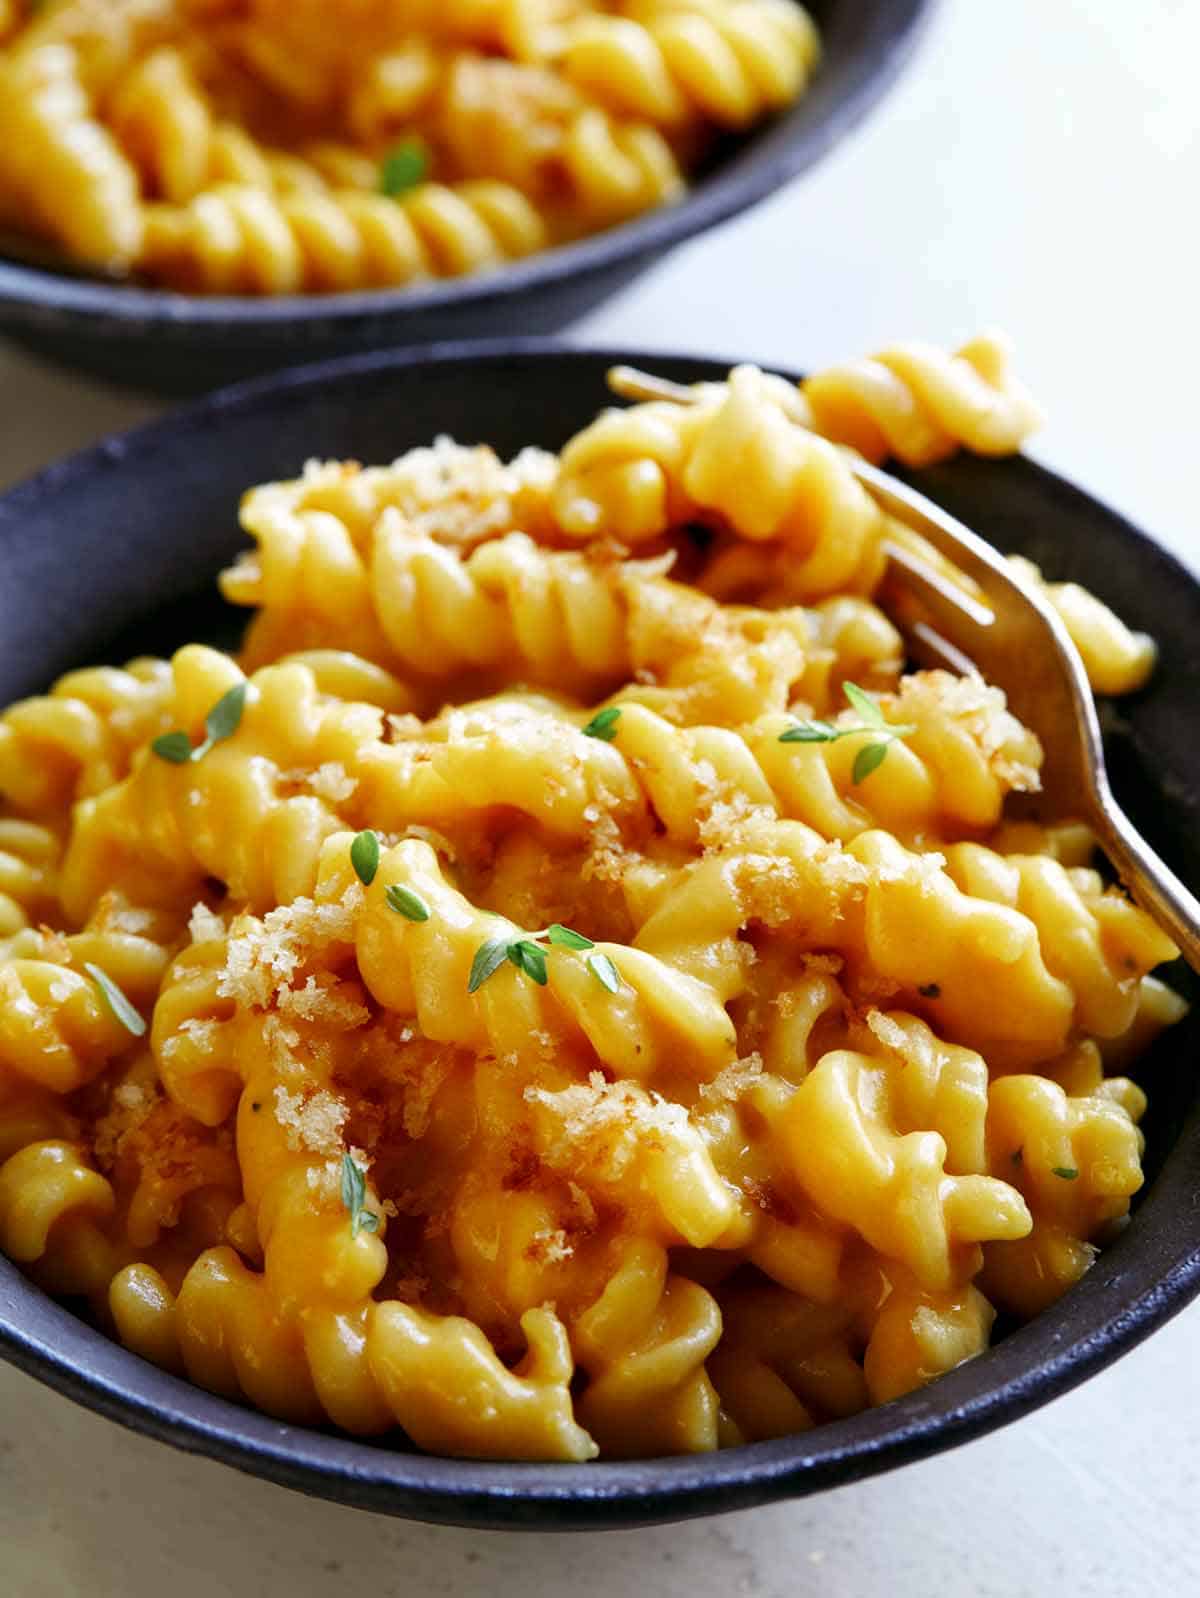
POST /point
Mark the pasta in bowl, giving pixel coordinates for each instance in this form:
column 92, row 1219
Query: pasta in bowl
column 250, row 148
column 239, row 185
column 564, row 990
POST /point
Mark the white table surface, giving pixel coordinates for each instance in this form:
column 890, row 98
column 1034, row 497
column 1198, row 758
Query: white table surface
column 1038, row 169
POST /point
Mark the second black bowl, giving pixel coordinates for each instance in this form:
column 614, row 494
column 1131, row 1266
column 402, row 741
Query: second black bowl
column 184, row 343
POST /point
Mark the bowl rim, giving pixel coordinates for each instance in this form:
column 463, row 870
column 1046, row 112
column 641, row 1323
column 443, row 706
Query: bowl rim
column 1148, row 1275
column 729, row 190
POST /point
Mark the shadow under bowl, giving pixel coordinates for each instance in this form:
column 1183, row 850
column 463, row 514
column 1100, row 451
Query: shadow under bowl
column 185, row 344
column 113, row 553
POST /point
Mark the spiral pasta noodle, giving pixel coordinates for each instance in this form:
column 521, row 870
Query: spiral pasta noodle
column 565, row 988
column 669, row 60
column 920, row 404
column 79, row 738
column 738, row 458
column 61, row 168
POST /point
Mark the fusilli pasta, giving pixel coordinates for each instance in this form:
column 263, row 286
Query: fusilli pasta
column 246, row 150
column 564, row 989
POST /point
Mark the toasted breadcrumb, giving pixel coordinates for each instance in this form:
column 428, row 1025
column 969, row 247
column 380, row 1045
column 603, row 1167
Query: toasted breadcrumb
column 611, row 1120
column 550, row 1247
column 205, row 926
column 313, row 1002
column 263, row 956
column 1010, row 749
column 719, row 827
column 330, row 781
column 313, row 1123
column 736, row 1079
column 463, row 494
column 281, row 1042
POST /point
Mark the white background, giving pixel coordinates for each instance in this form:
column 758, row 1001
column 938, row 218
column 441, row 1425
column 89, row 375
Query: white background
column 1039, row 169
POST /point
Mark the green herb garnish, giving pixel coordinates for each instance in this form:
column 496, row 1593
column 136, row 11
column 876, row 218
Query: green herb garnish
column 527, row 957
column 489, row 957
column 1067, row 1172
column 871, row 756
column 403, row 168
column 364, row 856
column 116, row 1001
column 221, row 722
column 603, row 724
column 173, row 746
column 530, row 959
column 354, row 1197
column 406, row 903
column 930, row 990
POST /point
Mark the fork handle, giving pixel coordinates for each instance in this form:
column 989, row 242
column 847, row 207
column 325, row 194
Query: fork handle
column 1150, row 880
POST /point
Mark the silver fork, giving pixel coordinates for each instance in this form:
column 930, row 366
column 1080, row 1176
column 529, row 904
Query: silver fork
column 1017, row 641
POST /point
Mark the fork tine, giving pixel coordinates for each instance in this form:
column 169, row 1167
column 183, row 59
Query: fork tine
column 949, row 537
column 628, row 382
column 927, row 647
column 943, row 601
column 982, row 567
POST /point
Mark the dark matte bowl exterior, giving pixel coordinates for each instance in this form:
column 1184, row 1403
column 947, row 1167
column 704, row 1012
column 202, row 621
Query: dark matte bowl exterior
column 113, row 553
column 186, row 344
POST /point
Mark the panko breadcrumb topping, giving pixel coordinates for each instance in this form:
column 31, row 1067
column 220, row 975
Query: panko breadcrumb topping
column 314, row 1123
column 329, row 781
column 263, row 955
column 315, row 1002
column 1010, row 749
column 551, row 1246
column 735, row 1080
column 205, row 925
column 616, row 1114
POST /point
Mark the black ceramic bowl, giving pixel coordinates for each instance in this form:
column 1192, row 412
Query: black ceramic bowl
column 113, row 553
column 186, row 344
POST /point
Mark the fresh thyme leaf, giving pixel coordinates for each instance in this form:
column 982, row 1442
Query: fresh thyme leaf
column 825, row 732
column 930, row 990
column 1067, row 1172
column 116, row 1001
column 405, row 902
column 221, row 722
column 1018, row 1155
column 605, row 972
column 404, row 166
column 868, row 759
column 489, row 957
column 528, row 958
column 867, row 707
column 603, row 724
column 173, row 746
column 364, row 857
column 354, row 1186
column 811, row 732
column 354, row 1197
column 225, row 717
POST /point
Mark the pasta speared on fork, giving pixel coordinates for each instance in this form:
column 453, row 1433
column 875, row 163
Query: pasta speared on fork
column 566, row 987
